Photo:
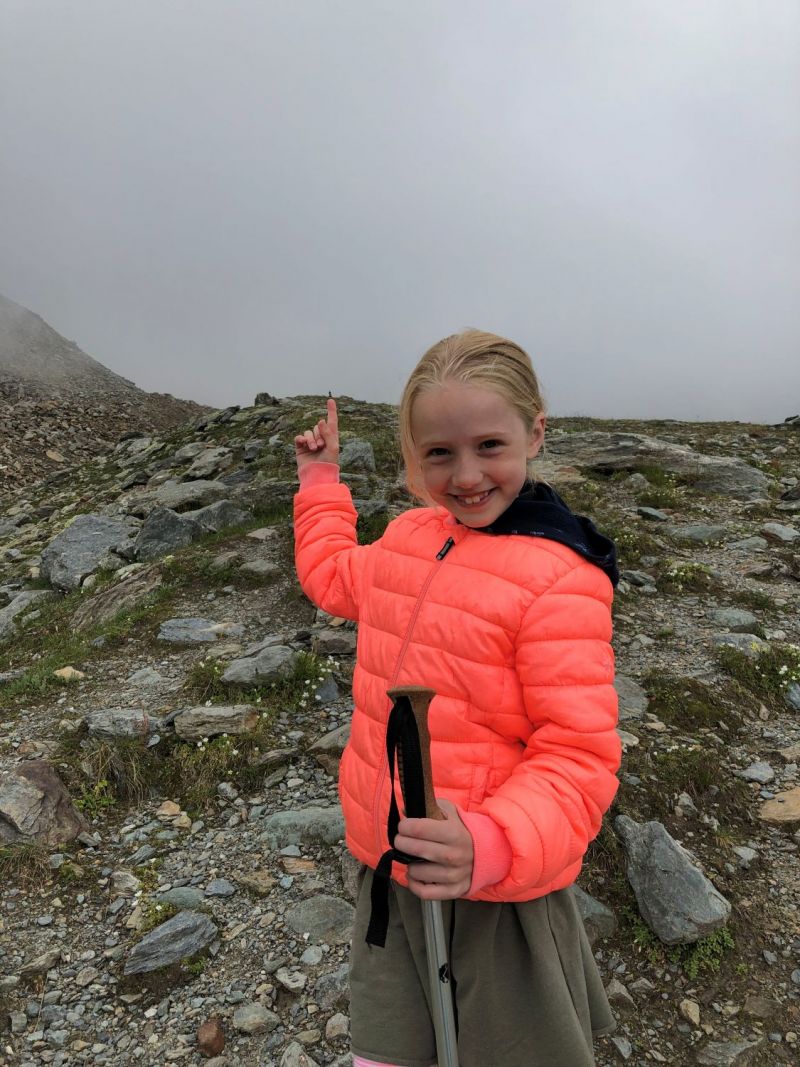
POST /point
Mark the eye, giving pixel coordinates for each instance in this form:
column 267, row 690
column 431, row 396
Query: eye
column 491, row 443
column 435, row 453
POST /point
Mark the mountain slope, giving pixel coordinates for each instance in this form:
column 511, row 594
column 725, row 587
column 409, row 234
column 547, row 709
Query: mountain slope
column 59, row 407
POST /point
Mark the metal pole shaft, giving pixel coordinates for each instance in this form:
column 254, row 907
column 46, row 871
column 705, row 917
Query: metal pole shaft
column 442, row 1013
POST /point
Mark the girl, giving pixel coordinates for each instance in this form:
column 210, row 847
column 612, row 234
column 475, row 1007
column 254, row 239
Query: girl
column 498, row 598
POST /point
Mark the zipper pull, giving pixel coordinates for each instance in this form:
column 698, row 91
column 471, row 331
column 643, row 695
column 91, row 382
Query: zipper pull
column 445, row 548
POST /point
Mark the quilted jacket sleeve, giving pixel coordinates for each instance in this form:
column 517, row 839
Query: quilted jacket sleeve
column 552, row 804
column 328, row 558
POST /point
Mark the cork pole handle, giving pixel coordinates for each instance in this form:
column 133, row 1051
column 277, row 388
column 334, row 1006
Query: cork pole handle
column 419, row 697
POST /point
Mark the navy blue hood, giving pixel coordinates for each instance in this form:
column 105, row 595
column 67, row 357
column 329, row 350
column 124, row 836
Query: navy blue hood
column 539, row 511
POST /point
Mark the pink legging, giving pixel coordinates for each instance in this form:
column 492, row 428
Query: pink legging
column 358, row 1062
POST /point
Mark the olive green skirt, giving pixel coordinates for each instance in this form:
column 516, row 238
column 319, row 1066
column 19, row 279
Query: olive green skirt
column 527, row 990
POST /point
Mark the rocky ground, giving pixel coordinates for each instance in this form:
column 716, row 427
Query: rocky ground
column 172, row 710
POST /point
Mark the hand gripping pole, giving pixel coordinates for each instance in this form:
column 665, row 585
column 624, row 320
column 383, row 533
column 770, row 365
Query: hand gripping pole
column 420, row 802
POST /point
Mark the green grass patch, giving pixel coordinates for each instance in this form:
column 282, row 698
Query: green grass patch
column 663, row 491
column 754, row 600
column 768, row 675
column 51, row 642
column 687, row 577
column 691, row 769
column 24, row 862
column 101, row 773
column 154, row 913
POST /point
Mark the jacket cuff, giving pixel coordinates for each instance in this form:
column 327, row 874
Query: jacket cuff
column 493, row 853
column 320, row 473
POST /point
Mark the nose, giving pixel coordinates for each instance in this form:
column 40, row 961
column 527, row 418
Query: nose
column 467, row 473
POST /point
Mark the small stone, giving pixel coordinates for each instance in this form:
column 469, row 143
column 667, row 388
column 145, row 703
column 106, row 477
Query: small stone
column 690, row 1010
column 619, row 998
column 784, row 808
column 220, row 887
column 211, row 1037
column 293, row 981
column 757, row 772
column 69, row 674
column 254, row 1019
column 623, row 1047
column 337, row 1026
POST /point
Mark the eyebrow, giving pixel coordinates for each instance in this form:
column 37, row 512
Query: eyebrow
column 438, row 442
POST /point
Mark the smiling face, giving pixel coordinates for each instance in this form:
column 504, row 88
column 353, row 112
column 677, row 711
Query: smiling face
column 472, row 447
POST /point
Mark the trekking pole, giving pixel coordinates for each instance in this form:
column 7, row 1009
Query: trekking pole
column 442, row 1012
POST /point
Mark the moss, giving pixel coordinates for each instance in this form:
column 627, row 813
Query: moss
column 52, row 642
column 704, row 956
column 690, row 703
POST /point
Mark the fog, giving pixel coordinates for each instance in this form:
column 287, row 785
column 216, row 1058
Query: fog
column 215, row 199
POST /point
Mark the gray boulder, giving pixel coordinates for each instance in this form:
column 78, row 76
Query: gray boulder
column 304, row 826
column 632, row 698
column 323, row 918
column 357, row 455
column 266, row 665
column 628, row 451
column 218, row 516
column 184, row 935
column 110, row 723
column 90, row 542
column 749, row 645
column 329, row 748
column 675, row 898
column 197, row 631
column 183, row 496
column 697, row 533
column 598, row 920
column 730, row 1053
column 193, row 724
column 734, row 619
column 124, row 595
column 210, row 462
column 35, row 806
column 162, row 532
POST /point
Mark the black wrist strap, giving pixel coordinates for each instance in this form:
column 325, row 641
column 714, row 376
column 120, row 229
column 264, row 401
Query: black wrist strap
column 402, row 744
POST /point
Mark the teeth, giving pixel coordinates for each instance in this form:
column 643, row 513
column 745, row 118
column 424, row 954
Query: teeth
column 473, row 499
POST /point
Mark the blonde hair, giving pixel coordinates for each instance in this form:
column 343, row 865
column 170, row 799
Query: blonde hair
column 472, row 357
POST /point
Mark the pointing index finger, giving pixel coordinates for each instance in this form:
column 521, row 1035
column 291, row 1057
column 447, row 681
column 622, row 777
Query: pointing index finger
column 333, row 417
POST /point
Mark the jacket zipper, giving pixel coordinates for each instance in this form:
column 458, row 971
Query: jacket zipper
column 384, row 769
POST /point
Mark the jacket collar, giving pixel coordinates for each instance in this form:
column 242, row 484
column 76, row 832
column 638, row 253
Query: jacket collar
column 539, row 511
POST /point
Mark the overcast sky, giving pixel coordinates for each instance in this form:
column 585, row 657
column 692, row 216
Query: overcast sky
column 218, row 197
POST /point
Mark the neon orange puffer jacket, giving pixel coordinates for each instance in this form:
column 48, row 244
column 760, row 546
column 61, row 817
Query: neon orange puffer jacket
column 512, row 633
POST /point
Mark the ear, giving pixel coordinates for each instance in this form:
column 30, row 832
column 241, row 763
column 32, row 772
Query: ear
column 536, row 436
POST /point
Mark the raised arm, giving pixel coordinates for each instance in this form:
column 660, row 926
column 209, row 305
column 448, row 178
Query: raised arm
column 328, row 558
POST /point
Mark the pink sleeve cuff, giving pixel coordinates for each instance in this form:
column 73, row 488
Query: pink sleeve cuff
column 493, row 853
column 320, row 473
